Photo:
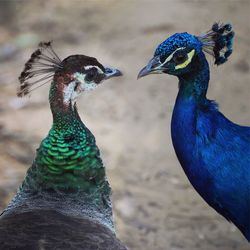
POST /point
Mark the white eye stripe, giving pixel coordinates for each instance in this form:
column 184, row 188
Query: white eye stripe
column 171, row 56
column 94, row 66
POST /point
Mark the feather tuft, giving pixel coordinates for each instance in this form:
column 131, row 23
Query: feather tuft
column 218, row 42
column 39, row 69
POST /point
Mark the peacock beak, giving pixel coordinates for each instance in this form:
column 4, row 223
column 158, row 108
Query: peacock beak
column 112, row 72
column 153, row 67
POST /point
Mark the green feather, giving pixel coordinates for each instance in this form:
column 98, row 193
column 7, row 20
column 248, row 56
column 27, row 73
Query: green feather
column 68, row 159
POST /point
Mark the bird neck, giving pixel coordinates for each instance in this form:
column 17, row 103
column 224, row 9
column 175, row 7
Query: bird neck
column 192, row 95
column 68, row 159
column 194, row 84
column 63, row 110
column 190, row 101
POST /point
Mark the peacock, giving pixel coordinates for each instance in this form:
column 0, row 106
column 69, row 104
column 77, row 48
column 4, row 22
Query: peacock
column 64, row 201
column 213, row 151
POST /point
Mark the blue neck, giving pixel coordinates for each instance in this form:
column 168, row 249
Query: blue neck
column 195, row 83
column 192, row 94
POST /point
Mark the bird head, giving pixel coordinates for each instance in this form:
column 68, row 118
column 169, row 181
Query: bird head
column 182, row 53
column 174, row 56
column 71, row 76
column 81, row 73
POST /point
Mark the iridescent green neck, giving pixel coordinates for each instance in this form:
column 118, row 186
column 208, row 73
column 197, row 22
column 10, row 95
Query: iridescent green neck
column 68, row 158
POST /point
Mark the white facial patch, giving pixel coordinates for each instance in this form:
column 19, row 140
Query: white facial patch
column 84, row 85
column 77, row 86
column 68, row 91
column 170, row 56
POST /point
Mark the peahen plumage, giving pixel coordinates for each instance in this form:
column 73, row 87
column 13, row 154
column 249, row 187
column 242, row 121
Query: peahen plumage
column 64, row 200
column 213, row 151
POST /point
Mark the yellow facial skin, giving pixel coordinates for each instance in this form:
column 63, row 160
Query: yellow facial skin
column 189, row 59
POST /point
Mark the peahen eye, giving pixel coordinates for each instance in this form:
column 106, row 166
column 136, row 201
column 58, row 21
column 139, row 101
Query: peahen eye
column 180, row 58
column 91, row 74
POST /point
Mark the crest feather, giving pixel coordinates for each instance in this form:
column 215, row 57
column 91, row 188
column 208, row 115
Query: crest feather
column 39, row 69
column 218, row 42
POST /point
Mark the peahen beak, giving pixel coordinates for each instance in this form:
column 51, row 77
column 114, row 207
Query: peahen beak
column 111, row 72
column 153, row 67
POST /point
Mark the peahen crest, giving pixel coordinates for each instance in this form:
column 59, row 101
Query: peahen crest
column 39, row 68
column 218, row 42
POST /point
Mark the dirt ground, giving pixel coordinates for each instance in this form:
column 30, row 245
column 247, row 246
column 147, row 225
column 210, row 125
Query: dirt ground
column 155, row 207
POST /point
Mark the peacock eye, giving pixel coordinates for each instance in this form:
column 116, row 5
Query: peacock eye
column 180, row 58
column 163, row 58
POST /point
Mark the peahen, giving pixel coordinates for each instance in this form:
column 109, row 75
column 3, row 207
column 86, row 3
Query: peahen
column 213, row 151
column 64, row 200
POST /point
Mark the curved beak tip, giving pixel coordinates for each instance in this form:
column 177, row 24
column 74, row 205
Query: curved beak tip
column 153, row 67
column 119, row 73
column 143, row 72
column 111, row 72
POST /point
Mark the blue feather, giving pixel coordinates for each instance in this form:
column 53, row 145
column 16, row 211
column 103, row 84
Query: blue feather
column 216, row 160
column 213, row 151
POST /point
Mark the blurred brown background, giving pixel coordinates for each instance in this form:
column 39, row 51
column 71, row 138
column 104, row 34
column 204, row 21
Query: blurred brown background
column 155, row 207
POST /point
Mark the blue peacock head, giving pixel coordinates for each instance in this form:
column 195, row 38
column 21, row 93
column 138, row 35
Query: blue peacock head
column 183, row 53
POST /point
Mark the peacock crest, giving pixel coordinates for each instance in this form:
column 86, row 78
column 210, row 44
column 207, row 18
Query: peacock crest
column 218, row 42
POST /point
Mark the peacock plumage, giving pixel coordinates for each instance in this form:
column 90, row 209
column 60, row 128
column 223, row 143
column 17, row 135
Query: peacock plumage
column 64, row 200
column 213, row 151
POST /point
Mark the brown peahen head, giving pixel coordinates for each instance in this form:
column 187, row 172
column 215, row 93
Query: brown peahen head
column 72, row 76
